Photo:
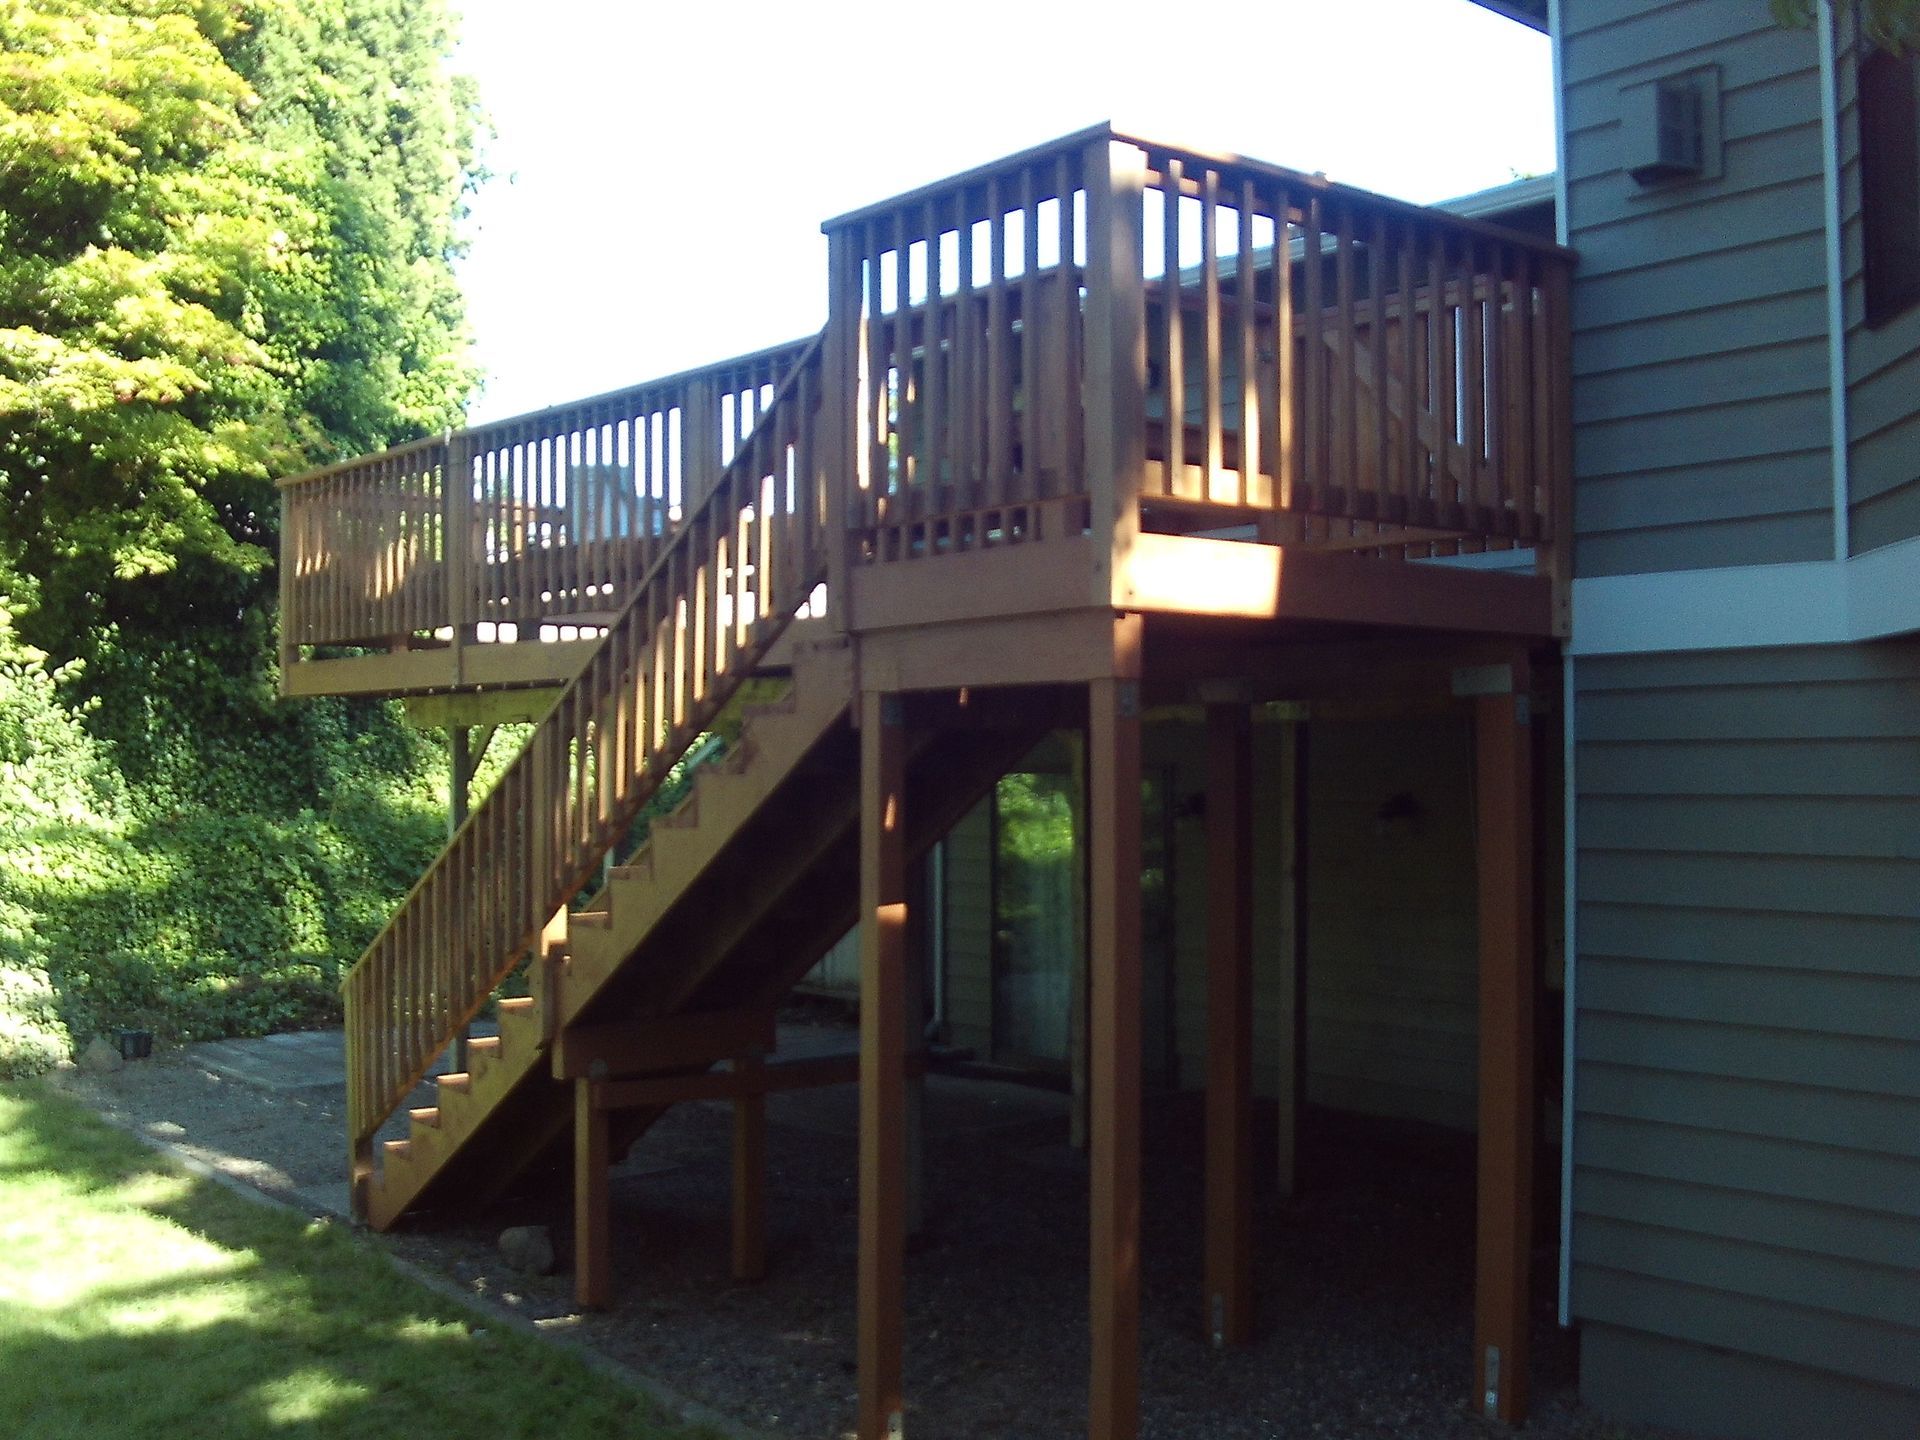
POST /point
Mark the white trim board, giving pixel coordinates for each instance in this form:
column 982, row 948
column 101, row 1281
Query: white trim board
column 1816, row 602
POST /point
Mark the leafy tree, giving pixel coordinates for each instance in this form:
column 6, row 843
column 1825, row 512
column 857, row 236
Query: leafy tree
column 225, row 243
column 1893, row 24
column 226, row 234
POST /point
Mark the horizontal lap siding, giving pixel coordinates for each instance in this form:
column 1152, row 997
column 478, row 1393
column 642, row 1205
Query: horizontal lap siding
column 1883, row 369
column 1392, row 1017
column 969, row 924
column 1747, row 1131
column 1700, row 408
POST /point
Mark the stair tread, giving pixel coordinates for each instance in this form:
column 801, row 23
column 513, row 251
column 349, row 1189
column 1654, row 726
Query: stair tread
column 754, row 770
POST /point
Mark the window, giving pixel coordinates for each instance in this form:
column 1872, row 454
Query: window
column 1889, row 184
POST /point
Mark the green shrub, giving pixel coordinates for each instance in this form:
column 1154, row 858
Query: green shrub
column 182, row 852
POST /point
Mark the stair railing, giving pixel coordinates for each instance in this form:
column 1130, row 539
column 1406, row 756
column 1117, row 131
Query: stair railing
column 748, row 555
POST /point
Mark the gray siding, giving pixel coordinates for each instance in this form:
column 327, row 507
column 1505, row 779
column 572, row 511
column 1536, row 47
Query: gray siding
column 1392, row 1023
column 1883, row 369
column 969, row 920
column 1747, row 1136
column 1701, row 431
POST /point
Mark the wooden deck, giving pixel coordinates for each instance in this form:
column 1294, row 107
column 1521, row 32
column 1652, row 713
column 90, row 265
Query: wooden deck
column 1108, row 423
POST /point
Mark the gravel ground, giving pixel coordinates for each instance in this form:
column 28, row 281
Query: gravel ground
column 1365, row 1278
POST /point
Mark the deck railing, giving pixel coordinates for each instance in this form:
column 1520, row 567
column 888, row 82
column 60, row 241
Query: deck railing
column 543, row 517
column 955, row 313
column 720, row 589
column 1346, row 368
column 1329, row 366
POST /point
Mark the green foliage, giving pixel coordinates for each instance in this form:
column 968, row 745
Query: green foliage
column 1891, row 24
column 212, row 883
column 226, row 229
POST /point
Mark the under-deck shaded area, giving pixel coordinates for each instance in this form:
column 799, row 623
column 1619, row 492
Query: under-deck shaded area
column 1361, row 1278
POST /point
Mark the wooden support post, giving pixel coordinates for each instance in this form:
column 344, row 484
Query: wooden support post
column 841, row 411
column 1229, row 1215
column 1113, row 1034
column 914, row 1004
column 592, row 1253
column 750, row 1175
column 1077, row 976
column 1293, row 1064
column 1504, row 1235
column 883, row 922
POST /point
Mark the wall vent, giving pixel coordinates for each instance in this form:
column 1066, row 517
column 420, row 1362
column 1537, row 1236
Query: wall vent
column 1670, row 128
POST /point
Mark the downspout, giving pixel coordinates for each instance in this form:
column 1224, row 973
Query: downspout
column 1827, row 23
column 1569, row 954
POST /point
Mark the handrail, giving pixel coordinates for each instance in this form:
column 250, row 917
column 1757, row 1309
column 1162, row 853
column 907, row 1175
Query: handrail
column 721, row 590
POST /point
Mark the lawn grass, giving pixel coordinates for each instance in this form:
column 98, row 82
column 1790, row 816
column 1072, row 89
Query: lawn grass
column 136, row 1300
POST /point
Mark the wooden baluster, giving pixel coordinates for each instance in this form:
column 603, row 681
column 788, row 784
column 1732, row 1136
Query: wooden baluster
column 1409, row 464
column 1316, row 472
column 1212, row 439
column 1286, row 392
column 878, row 406
column 1249, row 488
column 1173, row 374
column 1473, row 431
column 1346, row 385
column 1379, row 349
column 933, row 332
column 966, row 382
column 1440, row 351
column 999, row 396
column 1032, row 381
column 905, row 441
column 1071, row 424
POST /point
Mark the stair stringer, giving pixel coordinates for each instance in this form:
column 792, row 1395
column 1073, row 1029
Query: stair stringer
column 508, row 1105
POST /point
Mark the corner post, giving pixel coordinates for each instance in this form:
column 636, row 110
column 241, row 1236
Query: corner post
column 700, row 441
column 1116, row 359
column 457, row 542
column 1113, row 1035
column 840, row 411
column 1504, row 1230
column 883, row 1070
column 1229, row 1179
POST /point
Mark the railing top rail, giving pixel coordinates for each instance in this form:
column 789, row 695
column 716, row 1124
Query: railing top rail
column 1354, row 194
column 533, row 418
column 978, row 175
column 1079, row 139
column 396, row 452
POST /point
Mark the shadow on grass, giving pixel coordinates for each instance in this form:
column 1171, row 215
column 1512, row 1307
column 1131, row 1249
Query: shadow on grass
column 135, row 1299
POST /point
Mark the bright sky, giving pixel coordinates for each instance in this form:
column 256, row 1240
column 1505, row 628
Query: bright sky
column 662, row 167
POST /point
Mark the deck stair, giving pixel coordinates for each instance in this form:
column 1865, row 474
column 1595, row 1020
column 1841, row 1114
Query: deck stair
column 703, row 620
column 509, row 1090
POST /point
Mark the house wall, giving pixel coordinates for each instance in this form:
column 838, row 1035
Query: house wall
column 1747, row 1129
column 1701, row 423
column 969, row 924
column 1882, row 364
column 1391, row 1008
column 1744, row 1197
